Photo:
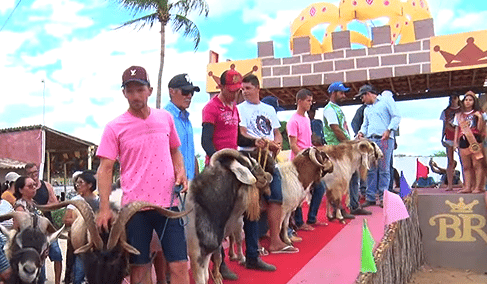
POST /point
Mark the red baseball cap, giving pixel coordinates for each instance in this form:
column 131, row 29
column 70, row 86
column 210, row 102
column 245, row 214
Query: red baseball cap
column 232, row 80
column 135, row 74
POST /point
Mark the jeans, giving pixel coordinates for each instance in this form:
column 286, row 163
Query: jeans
column 78, row 270
column 379, row 176
column 251, row 229
column 353, row 189
column 316, row 197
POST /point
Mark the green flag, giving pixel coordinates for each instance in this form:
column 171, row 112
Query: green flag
column 367, row 263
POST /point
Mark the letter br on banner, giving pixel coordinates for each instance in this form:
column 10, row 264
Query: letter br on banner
column 454, row 230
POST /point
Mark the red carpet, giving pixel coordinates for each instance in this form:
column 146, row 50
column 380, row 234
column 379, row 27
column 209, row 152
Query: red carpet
column 289, row 264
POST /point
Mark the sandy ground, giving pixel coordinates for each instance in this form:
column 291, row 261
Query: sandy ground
column 431, row 275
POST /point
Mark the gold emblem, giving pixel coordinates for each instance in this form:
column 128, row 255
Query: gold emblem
column 474, row 147
column 461, row 207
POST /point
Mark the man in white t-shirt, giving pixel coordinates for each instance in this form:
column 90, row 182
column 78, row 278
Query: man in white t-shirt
column 260, row 120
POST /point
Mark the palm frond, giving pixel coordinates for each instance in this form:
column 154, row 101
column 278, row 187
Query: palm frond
column 184, row 7
column 141, row 22
column 139, row 6
column 190, row 30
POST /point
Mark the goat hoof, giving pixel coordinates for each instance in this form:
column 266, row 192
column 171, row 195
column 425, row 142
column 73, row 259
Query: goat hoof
column 343, row 221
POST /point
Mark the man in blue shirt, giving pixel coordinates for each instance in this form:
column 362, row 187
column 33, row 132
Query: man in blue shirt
column 181, row 92
column 381, row 119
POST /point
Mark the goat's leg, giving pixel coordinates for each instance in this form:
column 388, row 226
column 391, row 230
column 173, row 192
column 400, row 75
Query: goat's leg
column 329, row 210
column 239, row 241
column 217, row 261
column 199, row 270
column 285, row 225
column 231, row 245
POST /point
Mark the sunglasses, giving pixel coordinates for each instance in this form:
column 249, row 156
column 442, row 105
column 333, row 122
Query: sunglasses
column 187, row 93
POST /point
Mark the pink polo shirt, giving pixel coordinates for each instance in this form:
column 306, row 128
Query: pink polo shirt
column 225, row 119
column 299, row 127
column 143, row 149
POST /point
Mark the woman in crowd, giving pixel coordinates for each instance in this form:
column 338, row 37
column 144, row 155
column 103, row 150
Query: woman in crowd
column 448, row 116
column 85, row 184
column 469, row 136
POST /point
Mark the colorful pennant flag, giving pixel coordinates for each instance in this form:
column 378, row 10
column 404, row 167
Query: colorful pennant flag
column 422, row 171
column 405, row 189
column 367, row 262
column 394, row 208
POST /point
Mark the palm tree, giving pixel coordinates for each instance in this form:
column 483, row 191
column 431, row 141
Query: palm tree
column 165, row 11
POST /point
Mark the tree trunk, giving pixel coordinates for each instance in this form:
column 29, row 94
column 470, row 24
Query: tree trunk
column 161, row 66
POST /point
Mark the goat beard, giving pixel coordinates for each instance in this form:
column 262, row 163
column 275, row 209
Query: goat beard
column 253, row 203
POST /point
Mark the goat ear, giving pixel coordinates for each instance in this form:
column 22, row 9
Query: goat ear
column 242, row 173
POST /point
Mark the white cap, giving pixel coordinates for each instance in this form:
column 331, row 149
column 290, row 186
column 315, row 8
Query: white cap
column 76, row 174
column 12, row 177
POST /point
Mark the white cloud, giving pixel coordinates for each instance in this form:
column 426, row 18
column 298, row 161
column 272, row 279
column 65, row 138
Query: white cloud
column 274, row 26
column 216, row 43
column 62, row 16
column 6, row 7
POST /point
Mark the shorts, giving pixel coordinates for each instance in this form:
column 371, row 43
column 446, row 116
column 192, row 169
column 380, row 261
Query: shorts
column 276, row 188
column 463, row 142
column 4, row 264
column 55, row 251
column 139, row 235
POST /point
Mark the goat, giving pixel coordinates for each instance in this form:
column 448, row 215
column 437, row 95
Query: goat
column 297, row 176
column 348, row 157
column 229, row 186
column 105, row 256
column 27, row 247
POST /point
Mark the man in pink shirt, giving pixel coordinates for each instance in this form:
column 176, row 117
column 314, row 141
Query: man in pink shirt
column 299, row 132
column 145, row 142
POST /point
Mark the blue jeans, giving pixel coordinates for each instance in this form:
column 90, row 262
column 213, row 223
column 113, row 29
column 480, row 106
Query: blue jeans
column 316, row 197
column 379, row 176
column 251, row 229
column 78, row 270
column 353, row 189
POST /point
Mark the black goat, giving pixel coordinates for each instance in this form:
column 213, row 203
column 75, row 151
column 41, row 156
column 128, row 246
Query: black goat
column 28, row 246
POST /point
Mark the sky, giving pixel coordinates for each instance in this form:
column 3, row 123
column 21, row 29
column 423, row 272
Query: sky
column 62, row 60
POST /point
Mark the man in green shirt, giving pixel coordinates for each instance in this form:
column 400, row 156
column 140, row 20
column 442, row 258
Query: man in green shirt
column 336, row 131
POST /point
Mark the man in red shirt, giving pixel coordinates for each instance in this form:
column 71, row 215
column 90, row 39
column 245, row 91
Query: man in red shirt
column 220, row 131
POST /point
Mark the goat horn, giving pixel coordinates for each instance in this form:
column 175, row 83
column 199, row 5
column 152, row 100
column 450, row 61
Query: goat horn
column 231, row 152
column 88, row 215
column 20, row 218
column 312, row 156
column 128, row 211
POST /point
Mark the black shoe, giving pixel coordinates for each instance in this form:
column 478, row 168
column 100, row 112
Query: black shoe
column 368, row 203
column 360, row 211
column 259, row 264
column 346, row 215
column 227, row 274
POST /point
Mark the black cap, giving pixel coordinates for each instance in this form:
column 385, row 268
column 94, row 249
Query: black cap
column 272, row 101
column 183, row 82
column 365, row 89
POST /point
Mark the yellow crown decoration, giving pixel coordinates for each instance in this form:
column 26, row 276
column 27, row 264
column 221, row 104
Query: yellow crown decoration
column 461, row 207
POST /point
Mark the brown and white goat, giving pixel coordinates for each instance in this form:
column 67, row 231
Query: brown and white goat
column 347, row 157
column 229, row 186
column 105, row 258
column 27, row 246
column 297, row 176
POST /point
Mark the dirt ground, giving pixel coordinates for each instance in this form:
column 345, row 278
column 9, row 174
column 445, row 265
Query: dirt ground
column 432, row 275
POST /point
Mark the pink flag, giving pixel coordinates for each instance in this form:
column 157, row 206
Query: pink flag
column 394, row 208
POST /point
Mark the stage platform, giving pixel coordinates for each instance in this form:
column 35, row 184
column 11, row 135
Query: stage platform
column 453, row 227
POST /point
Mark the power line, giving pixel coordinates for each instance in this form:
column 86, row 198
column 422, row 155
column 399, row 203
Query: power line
column 11, row 13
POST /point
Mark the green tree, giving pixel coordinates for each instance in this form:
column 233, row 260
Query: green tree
column 164, row 12
column 439, row 154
